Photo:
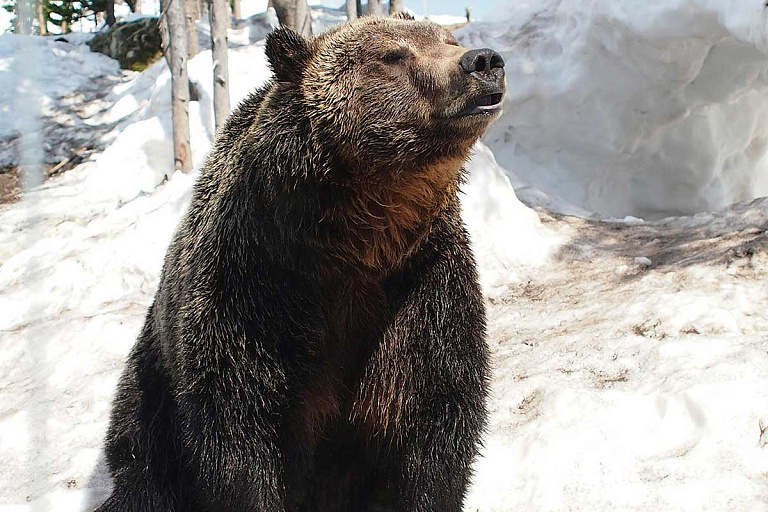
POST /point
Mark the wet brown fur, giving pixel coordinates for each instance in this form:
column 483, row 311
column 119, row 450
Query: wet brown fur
column 382, row 225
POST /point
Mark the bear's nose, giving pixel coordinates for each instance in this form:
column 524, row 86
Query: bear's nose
column 484, row 60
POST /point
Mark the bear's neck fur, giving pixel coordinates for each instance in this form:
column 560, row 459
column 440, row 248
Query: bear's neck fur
column 380, row 224
column 319, row 209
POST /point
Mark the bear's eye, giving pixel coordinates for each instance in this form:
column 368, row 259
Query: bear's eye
column 395, row 56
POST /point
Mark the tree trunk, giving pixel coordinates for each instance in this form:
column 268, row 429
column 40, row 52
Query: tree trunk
column 359, row 4
column 294, row 14
column 110, row 12
column 303, row 18
column 24, row 17
column 374, row 8
column 396, row 6
column 286, row 13
column 236, row 10
column 174, row 15
column 219, row 16
column 191, row 15
column 41, row 20
column 352, row 9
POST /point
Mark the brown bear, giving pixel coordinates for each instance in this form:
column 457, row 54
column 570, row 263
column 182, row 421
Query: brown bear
column 317, row 338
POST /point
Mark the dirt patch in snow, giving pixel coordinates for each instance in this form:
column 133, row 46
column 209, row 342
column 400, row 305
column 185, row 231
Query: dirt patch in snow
column 605, row 267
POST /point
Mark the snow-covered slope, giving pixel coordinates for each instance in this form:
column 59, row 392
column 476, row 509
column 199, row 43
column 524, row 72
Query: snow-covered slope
column 626, row 107
column 56, row 68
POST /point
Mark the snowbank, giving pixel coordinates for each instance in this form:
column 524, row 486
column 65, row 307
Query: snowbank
column 506, row 234
column 634, row 108
column 79, row 261
column 250, row 8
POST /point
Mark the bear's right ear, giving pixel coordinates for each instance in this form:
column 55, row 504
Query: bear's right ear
column 288, row 54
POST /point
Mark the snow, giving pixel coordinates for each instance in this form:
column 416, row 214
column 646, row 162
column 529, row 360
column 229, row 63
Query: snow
column 149, row 7
column 625, row 107
column 642, row 260
column 5, row 20
column 636, row 390
column 66, row 67
column 491, row 212
column 81, row 257
column 444, row 19
column 249, row 8
column 630, row 356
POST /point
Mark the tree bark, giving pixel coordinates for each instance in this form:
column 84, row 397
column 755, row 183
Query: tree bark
column 219, row 16
column 294, row 14
column 374, row 8
column 41, row 20
column 286, row 13
column 237, row 12
column 303, row 18
column 174, row 15
column 24, row 17
column 110, row 12
column 191, row 15
column 396, row 6
column 352, row 9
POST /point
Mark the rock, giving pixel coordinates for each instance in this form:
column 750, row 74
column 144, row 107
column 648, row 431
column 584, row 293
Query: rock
column 135, row 44
column 643, row 261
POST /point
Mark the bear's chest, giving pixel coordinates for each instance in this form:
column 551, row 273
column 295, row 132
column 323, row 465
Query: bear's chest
column 356, row 317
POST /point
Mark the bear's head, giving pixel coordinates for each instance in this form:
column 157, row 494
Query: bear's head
column 376, row 118
column 389, row 95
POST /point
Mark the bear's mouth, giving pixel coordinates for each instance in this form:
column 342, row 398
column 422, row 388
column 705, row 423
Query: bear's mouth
column 485, row 104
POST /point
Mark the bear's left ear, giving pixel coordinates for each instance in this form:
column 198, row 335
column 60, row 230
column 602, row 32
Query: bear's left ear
column 288, row 54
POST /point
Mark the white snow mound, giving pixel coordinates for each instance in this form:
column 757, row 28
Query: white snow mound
column 629, row 107
column 506, row 234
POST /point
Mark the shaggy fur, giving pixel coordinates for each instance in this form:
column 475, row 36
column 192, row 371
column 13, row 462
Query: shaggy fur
column 317, row 339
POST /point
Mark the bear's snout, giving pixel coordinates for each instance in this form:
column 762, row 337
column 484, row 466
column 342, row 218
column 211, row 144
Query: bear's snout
column 483, row 61
column 486, row 67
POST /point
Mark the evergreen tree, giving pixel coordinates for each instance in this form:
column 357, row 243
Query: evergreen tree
column 64, row 13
